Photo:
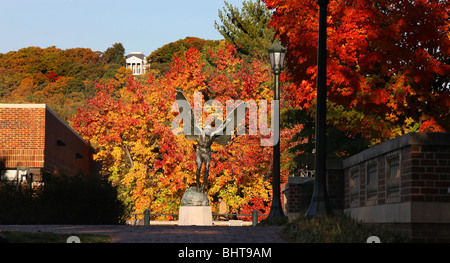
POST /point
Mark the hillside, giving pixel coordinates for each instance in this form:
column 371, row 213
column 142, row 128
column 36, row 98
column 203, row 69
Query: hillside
column 63, row 79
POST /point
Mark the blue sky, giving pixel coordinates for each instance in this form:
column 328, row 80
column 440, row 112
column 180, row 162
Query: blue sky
column 97, row 24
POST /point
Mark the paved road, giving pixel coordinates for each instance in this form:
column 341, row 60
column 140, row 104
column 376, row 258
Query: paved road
column 164, row 234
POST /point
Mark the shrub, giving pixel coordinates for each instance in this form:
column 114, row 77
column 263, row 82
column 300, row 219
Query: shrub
column 16, row 204
column 62, row 200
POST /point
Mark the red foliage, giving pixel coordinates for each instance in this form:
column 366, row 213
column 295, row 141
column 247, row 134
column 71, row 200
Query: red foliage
column 387, row 61
column 52, row 76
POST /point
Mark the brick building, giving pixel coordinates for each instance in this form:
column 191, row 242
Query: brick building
column 34, row 142
column 402, row 184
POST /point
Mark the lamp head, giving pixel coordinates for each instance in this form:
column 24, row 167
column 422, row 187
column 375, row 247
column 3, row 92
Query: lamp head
column 277, row 53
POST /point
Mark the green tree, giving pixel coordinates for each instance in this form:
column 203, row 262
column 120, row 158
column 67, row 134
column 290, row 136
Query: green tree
column 339, row 144
column 115, row 54
column 247, row 29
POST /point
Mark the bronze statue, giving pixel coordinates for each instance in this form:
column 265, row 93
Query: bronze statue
column 207, row 136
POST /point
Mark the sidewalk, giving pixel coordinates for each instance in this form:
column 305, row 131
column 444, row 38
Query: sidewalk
column 140, row 222
column 164, row 233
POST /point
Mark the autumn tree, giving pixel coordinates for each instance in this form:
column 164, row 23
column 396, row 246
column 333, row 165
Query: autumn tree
column 161, row 58
column 127, row 129
column 24, row 91
column 240, row 170
column 388, row 63
column 122, row 75
column 131, row 130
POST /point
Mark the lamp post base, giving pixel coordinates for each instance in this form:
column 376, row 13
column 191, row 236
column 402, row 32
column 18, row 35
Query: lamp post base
column 319, row 200
column 276, row 213
column 318, row 206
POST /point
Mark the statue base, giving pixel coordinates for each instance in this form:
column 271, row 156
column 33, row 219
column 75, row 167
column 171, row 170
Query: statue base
column 194, row 197
column 195, row 209
column 195, row 216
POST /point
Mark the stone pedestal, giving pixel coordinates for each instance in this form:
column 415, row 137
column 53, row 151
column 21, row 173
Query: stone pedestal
column 195, row 216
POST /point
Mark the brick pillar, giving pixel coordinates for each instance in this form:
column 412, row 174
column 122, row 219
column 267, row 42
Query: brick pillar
column 335, row 185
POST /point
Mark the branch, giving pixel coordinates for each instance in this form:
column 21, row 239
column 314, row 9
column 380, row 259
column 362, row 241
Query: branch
column 125, row 148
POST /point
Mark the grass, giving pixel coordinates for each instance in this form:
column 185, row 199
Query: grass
column 332, row 229
column 48, row 237
column 273, row 222
column 336, row 229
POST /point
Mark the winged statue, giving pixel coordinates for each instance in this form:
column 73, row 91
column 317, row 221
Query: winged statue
column 207, row 136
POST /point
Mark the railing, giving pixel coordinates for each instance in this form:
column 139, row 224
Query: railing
column 135, row 215
column 255, row 216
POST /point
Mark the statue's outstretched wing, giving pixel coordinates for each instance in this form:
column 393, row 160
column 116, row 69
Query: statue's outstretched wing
column 233, row 119
column 193, row 131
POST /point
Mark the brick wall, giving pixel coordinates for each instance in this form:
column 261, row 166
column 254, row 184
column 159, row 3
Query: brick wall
column 402, row 184
column 32, row 136
column 426, row 175
column 297, row 192
column 22, row 137
column 65, row 150
column 335, row 185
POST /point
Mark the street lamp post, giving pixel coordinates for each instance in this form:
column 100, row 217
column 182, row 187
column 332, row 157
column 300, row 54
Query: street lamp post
column 319, row 200
column 277, row 54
